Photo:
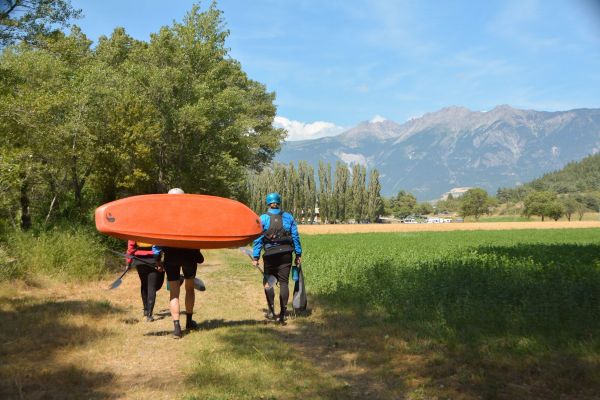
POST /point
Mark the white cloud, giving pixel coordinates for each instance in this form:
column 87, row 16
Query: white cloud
column 377, row 118
column 298, row 130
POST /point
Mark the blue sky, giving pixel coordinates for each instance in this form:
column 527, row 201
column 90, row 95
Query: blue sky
column 335, row 63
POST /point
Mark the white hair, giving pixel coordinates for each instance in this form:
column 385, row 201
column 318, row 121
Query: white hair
column 176, row 191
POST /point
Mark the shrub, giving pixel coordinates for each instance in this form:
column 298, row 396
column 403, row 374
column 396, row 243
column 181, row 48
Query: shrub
column 72, row 253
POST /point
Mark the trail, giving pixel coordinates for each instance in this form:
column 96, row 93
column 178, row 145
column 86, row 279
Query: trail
column 84, row 341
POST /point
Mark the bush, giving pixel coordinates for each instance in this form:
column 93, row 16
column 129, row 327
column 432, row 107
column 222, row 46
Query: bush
column 73, row 254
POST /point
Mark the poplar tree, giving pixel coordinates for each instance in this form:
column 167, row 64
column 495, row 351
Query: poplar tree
column 340, row 191
column 324, row 191
column 374, row 201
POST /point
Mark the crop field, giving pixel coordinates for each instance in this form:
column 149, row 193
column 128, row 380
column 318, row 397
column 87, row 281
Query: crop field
column 493, row 307
column 464, row 226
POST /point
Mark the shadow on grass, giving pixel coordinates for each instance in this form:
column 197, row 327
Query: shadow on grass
column 33, row 333
column 210, row 325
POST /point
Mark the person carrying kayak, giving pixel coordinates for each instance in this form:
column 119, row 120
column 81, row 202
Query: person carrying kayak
column 151, row 274
column 174, row 261
column 279, row 239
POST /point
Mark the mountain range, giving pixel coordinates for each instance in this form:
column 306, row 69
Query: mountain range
column 457, row 147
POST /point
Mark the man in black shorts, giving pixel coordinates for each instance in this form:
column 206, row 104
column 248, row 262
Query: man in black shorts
column 279, row 239
column 175, row 260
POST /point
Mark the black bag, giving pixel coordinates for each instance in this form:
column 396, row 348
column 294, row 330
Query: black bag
column 300, row 300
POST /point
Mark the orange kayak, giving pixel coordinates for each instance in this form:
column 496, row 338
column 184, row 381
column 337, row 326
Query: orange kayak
column 188, row 221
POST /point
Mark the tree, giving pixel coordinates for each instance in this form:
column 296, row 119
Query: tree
column 324, row 196
column 555, row 210
column 374, row 202
column 82, row 125
column 475, row 202
column 424, row 208
column 357, row 196
column 340, row 191
column 537, row 203
column 29, row 19
column 404, row 204
column 569, row 206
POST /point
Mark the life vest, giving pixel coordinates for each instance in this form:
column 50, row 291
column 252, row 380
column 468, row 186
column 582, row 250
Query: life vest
column 143, row 246
column 276, row 239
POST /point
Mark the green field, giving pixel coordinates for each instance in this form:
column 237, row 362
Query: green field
column 488, row 307
column 469, row 281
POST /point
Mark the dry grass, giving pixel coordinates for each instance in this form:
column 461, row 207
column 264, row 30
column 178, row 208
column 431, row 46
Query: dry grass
column 465, row 226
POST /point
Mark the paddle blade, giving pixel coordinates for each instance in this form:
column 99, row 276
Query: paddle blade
column 246, row 251
column 115, row 284
column 199, row 285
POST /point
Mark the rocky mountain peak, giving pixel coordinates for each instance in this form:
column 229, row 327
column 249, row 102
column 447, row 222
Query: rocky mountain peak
column 456, row 147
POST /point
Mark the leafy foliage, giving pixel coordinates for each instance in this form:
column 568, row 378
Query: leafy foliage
column 30, row 20
column 83, row 125
column 337, row 200
column 475, row 202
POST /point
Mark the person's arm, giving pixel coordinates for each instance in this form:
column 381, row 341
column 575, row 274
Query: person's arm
column 258, row 242
column 130, row 251
column 296, row 239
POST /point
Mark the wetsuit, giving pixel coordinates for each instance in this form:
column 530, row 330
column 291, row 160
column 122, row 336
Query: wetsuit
column 151, row 279
column 277, row 255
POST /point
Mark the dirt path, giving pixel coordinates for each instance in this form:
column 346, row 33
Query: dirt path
column 82, row 341
column 465, row 226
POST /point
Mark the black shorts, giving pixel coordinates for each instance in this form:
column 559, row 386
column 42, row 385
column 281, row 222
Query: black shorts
column 278, row 265
column 177, row 260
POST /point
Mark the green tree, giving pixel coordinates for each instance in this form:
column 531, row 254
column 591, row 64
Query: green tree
column 82, row 125
column 475, row 202
column 324, row 196
column 211, row 117
column 569, row 206
column 340, row 191
column 537, row 203
column 424, row 208
column 404, row 204
column 29, row 20
column 357, row 196
column 374, row 201
column 555, row 210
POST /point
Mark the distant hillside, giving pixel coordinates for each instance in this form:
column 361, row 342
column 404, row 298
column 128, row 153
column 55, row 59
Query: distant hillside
column 457, row 147
column 579, row 176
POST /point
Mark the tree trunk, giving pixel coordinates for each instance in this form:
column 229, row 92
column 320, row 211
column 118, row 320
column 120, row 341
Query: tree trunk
column 24, row 200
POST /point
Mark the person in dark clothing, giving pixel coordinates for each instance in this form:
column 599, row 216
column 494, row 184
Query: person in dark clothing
column 279, row 239
column 151, row 274
column 176, row 260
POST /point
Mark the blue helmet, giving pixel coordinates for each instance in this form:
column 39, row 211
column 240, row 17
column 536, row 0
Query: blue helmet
column 273, row 198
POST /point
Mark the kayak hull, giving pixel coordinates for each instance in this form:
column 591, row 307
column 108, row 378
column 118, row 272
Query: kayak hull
column 184, row 220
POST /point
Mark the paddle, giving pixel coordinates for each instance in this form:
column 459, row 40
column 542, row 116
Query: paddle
column 198, row 283
column 248, row 252
column 119, row 280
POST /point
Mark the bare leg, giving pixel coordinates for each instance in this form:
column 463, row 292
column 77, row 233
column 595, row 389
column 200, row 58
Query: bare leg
column 190, row 296
column 174, row 299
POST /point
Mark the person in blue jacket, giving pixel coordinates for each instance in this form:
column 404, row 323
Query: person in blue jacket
column 279, row 239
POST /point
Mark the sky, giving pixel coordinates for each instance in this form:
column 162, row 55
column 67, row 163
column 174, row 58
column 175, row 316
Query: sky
column 336, row 63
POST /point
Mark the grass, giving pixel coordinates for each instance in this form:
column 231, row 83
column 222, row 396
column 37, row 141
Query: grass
column 461, row 315
column 67, row 254
column 505, row 314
